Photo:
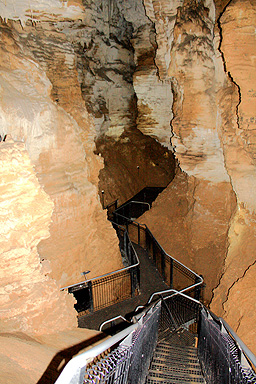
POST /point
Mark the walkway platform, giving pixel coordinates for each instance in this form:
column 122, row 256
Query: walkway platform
column 150, row 282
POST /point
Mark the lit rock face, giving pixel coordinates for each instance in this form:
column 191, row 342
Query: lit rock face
column 204, row 192
column 105, row 65
column 37, row 67
column 30, row 300
column 37, row 10
column 233, row 298
column 213, row 126
column 189, row 219
column 154, row 96
column 239, row 50
column 115, row 48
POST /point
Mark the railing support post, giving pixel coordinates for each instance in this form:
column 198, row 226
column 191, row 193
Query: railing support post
column 89, row 284
column 197, row 289
column 171, row 273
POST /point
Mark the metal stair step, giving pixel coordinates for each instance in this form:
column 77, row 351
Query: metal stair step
column 175, row 356
column 177, row 360
column 168, row 345
column 175, row 351
column 172, row 377
column 177, row 368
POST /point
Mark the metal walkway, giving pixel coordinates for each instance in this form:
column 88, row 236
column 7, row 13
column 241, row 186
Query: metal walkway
column 151, row 281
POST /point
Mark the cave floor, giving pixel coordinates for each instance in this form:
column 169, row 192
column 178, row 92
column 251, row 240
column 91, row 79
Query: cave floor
column 150, row 282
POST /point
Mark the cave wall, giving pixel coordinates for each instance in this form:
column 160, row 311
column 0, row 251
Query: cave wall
column 42, row 108
column 142, row 80
column 206, row 214
column 30, row 299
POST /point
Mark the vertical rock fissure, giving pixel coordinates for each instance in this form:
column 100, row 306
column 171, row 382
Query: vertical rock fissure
column 235, row 282
column 224, row 61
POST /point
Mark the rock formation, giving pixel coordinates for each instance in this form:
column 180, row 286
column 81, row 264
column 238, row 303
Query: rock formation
column 111, row 95
column 42, row 107
column 30, row 299
column 208, row 54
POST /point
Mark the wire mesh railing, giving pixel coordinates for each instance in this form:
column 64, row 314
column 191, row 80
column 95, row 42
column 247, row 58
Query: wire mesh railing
column 125, row 357
column 221, row 357
column 177, row 310
column 111, row 288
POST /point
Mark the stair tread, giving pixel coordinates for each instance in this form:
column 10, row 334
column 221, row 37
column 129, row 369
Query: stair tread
column 188, row 378
column 175, row 360
column 176, row 352
column 176, row 347
column 176, row 368
column 193, row 364
column 175, row 363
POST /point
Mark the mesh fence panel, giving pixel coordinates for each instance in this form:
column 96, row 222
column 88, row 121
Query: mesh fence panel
column 220, row 356
column 129, row 362
column 176, row 311
column 144, row 343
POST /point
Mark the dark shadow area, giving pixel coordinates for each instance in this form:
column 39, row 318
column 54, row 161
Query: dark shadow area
column 61, row 359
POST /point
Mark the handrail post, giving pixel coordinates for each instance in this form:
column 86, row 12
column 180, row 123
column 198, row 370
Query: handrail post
column 89, row 284
column 163, row 266
column 198, row 288
column 171, row 273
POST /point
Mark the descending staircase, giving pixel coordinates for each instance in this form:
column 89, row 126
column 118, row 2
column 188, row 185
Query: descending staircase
column 175, row 360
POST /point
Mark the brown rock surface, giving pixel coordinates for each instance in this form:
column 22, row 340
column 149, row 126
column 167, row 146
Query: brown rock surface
column 234, row 297
column 30, row 300
column 132, row 163
column 238, row 47
column 190, row 219
column 213, row 127
column 60, row 144
column 29, row 360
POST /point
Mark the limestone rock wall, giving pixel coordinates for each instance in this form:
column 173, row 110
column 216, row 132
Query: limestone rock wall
column 206, row 50
column 42, row 107
column 237, row 284
column 30, row 299
column 193, row 67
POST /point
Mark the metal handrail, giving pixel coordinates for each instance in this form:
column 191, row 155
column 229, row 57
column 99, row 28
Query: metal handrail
column 201, row 280
column 110, row 273
column 248, row 353
column 177, row 261
column 174, row 291
column 132, row 201
column 111, row 320
column 75, row 368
